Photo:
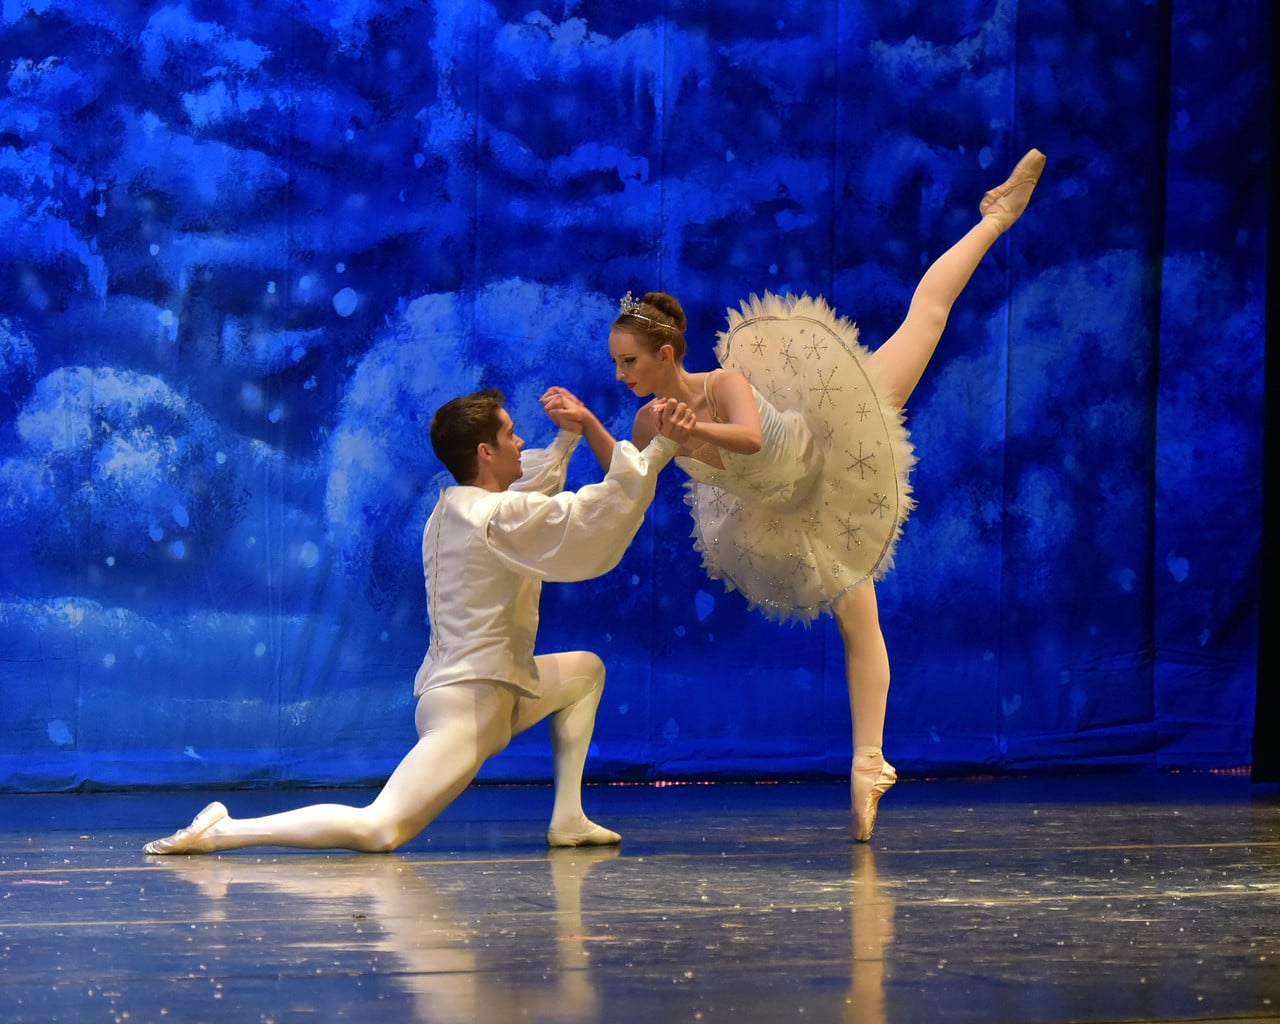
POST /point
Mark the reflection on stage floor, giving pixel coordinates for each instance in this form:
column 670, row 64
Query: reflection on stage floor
column 1135, row 898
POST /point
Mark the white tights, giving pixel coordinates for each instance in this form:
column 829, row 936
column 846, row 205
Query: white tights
column 460, row 726
column 902, row 360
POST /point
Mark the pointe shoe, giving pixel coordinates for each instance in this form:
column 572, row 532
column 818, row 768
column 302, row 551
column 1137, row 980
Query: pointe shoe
column 186, row 840
column 1004, row 204
column 591, row 835
column 867, row 791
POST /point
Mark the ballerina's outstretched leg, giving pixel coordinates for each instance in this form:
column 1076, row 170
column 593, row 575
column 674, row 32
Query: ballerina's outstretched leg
column 904, row 356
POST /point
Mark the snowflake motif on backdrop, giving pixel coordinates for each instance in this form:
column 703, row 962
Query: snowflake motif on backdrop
column 758, row 346
column 879, row 505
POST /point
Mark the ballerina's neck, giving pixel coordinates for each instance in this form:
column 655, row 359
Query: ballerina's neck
column 684, row 387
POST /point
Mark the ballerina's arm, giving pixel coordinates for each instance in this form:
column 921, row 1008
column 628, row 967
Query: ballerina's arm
column 737, row 426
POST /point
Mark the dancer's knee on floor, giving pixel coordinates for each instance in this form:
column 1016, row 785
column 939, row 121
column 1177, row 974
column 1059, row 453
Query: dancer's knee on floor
column 383, row 836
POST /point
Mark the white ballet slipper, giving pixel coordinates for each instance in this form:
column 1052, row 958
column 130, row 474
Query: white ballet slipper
column 590, row 835
column 187, row 840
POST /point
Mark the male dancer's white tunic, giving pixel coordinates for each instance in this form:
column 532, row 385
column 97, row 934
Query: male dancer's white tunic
column 486, row 554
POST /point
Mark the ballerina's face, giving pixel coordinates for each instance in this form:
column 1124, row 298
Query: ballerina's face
column 639, row 368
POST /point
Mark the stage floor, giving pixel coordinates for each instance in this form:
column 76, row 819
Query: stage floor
column 1101, row 898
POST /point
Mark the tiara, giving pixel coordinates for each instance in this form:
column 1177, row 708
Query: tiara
column 631, row 306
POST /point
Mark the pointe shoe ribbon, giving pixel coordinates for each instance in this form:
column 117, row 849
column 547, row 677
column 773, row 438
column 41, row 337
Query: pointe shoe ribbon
column 186, row 839
column 1004, row 204
column 867, row 803
column 593, row 835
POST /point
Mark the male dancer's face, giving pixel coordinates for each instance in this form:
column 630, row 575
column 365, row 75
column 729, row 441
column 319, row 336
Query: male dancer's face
column 506, row 456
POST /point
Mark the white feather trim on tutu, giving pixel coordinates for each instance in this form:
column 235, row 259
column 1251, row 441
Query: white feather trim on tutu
column 820, row 508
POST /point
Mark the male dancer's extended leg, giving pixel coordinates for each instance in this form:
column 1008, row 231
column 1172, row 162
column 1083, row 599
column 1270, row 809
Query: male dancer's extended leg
column 572, row 685
column 904, row 356
column 459, row 728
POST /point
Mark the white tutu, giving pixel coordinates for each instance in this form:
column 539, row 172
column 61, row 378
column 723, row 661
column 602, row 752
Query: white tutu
column 820, row 507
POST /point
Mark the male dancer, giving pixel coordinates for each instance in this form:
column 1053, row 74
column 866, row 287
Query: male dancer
column 486, row 549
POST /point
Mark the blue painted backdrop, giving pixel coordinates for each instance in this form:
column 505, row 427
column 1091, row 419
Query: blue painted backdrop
column 246, row 250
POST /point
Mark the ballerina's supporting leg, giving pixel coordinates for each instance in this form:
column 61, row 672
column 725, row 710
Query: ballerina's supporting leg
column 904, row 356
column 459, row 727
column 902, row 359
column 867, row 673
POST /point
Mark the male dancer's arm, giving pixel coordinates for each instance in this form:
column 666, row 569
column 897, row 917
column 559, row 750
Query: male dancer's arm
column 577, row 535
column 545, row 469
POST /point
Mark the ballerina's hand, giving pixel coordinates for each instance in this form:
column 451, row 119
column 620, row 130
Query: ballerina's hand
column 564, row 409
column 555, row 390
column 650, row 415
column 676, row 420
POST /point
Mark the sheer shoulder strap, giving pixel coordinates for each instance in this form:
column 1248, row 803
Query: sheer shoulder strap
column 706, row 391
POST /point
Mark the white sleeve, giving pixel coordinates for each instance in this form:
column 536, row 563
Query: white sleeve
column 576, row 535
column 545, row 469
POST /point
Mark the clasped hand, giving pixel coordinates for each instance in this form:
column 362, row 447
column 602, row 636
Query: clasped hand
column 672, row 418
column 565, row 409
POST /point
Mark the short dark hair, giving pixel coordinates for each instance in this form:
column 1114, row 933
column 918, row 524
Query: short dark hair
column 463, row 424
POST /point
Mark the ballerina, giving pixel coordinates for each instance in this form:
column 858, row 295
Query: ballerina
column 800, row 460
